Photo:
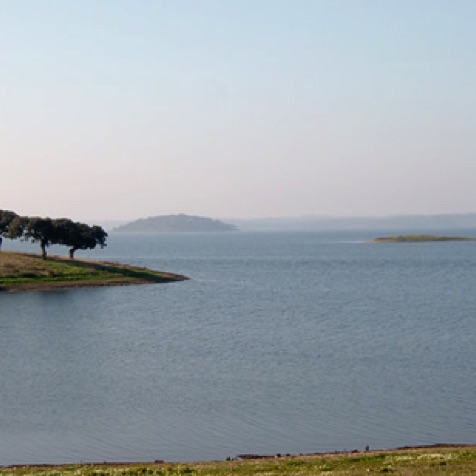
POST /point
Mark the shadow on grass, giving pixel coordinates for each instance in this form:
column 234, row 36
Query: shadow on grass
column 126, row 271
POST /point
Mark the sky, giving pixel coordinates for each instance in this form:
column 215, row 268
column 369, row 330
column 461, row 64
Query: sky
column 120, row 109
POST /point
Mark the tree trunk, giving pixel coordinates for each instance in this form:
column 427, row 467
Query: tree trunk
column 71, row 253
column 44, row 255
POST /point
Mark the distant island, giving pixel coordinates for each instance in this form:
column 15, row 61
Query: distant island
column 419, row 238
column 175, row 223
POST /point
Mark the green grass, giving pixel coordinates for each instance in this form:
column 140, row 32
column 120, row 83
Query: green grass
column 418, row 462
column 419, row 238
column 21, row 271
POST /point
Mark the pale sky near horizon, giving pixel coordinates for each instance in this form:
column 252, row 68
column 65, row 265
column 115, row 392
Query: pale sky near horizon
column 120, row 109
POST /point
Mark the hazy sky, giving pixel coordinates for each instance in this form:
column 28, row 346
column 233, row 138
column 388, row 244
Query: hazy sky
column 115, row 109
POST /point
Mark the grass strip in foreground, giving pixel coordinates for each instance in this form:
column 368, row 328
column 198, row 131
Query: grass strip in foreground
column 23, row 271
column 430, row 461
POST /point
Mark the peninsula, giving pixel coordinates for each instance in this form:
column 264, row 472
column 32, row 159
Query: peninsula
column 24, row 271
column 175, row 223
column 419, row 239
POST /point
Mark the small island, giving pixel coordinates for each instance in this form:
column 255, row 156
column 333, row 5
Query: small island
column 419, row 239
column 175, row 224
column 25, row 271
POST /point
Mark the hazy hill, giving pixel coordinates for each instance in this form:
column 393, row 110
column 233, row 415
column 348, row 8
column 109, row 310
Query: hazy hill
column 397, row 222
column 174, row 223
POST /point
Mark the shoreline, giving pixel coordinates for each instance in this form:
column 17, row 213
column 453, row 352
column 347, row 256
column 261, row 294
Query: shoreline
column 244, row 458
column 21, row 272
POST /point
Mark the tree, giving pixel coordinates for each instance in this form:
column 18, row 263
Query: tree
column 41, row 230
column 48, row 231
column 83, row 237
column 63, row 231
column 6, row 219
column 16, row 228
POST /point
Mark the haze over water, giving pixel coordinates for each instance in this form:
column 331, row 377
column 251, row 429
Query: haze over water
column 280, row 342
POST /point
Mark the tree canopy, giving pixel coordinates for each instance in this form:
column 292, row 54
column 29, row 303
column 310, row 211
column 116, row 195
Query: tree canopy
column 6, row 218
column 48, row 231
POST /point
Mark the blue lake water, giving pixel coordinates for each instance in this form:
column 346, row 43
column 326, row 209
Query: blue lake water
column 280, row 342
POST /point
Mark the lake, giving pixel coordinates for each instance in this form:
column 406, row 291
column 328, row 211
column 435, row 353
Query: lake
column 279, row 343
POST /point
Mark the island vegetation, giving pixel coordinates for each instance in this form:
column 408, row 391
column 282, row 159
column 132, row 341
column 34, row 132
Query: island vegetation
column 419, row 238
column 175, row 224
column 426, row 461
column 23, row 271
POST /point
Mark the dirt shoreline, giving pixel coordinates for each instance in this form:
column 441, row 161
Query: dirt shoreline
column 52, row 286
column 250, row 457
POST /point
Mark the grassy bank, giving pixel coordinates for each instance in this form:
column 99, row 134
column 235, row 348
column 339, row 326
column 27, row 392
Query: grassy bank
column 22, row 271
column 409, row 462
column 419, row 238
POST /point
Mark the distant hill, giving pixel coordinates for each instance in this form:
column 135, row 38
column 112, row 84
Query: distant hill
column 175, row 223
